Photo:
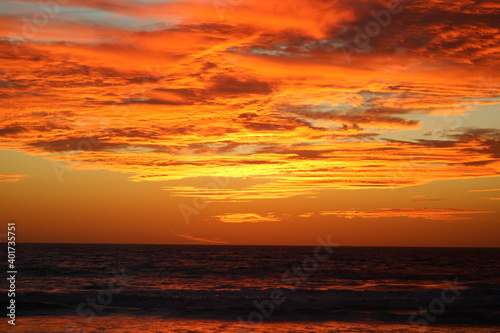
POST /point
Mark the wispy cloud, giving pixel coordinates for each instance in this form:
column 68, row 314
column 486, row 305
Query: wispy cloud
column 485, row 190
column 271, row 99
column 247, row 218
column 201, row 239
column 11, row 178
column 423, row 198
column 439, row 214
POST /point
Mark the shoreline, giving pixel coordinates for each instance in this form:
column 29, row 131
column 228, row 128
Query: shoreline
column 117, row 323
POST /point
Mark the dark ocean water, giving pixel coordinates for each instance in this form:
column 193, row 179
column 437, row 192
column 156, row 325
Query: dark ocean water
column 226, row 282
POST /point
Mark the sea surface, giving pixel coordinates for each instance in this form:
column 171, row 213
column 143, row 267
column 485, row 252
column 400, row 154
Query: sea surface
column 198, row 288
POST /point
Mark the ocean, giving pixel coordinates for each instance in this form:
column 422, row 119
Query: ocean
column 212, row 288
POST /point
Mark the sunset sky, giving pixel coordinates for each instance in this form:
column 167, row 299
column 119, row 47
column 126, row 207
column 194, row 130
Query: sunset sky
column 251, row 121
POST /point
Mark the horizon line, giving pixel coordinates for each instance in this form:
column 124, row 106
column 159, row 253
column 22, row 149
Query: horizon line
column 207, row 244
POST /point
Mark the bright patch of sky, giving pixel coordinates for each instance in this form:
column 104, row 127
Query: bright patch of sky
column 439, row 127
column 85, row 15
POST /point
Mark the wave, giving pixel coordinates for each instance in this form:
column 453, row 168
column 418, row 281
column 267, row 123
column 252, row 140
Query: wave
column 471, row 305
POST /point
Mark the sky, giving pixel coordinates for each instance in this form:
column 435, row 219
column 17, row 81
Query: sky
column 251, row 122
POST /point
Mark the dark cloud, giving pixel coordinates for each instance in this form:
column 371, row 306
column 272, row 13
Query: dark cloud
column 50, row 126
column 77, row 143
column 364, row 118
column 426, row 143
column 479, row 163
column 462, row 32
column 132, row 132
column 151, row 101
column 11, row 130
column 223, row 84
column 490, row 147
column 468, row 133
column 247, row 115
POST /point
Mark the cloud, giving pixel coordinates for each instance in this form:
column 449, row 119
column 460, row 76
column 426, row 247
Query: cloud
column 11, row 178
column 200, row 239
column 469, row 133
column 265, row 93
column 11, row 130
column 355, row 117
column 247, row 218
column 223, row 84
column 485, row 190
column 437, row 214
column 423, row 198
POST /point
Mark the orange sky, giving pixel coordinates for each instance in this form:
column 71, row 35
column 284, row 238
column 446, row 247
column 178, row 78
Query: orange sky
column 251, row 122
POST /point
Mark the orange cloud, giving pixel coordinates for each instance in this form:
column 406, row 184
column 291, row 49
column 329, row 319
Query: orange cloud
column 200, row 90
column 438, row 214
column 485, row 190
column 11, row 178
column 246, row 218
column 417, row 198
column 200, row 239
